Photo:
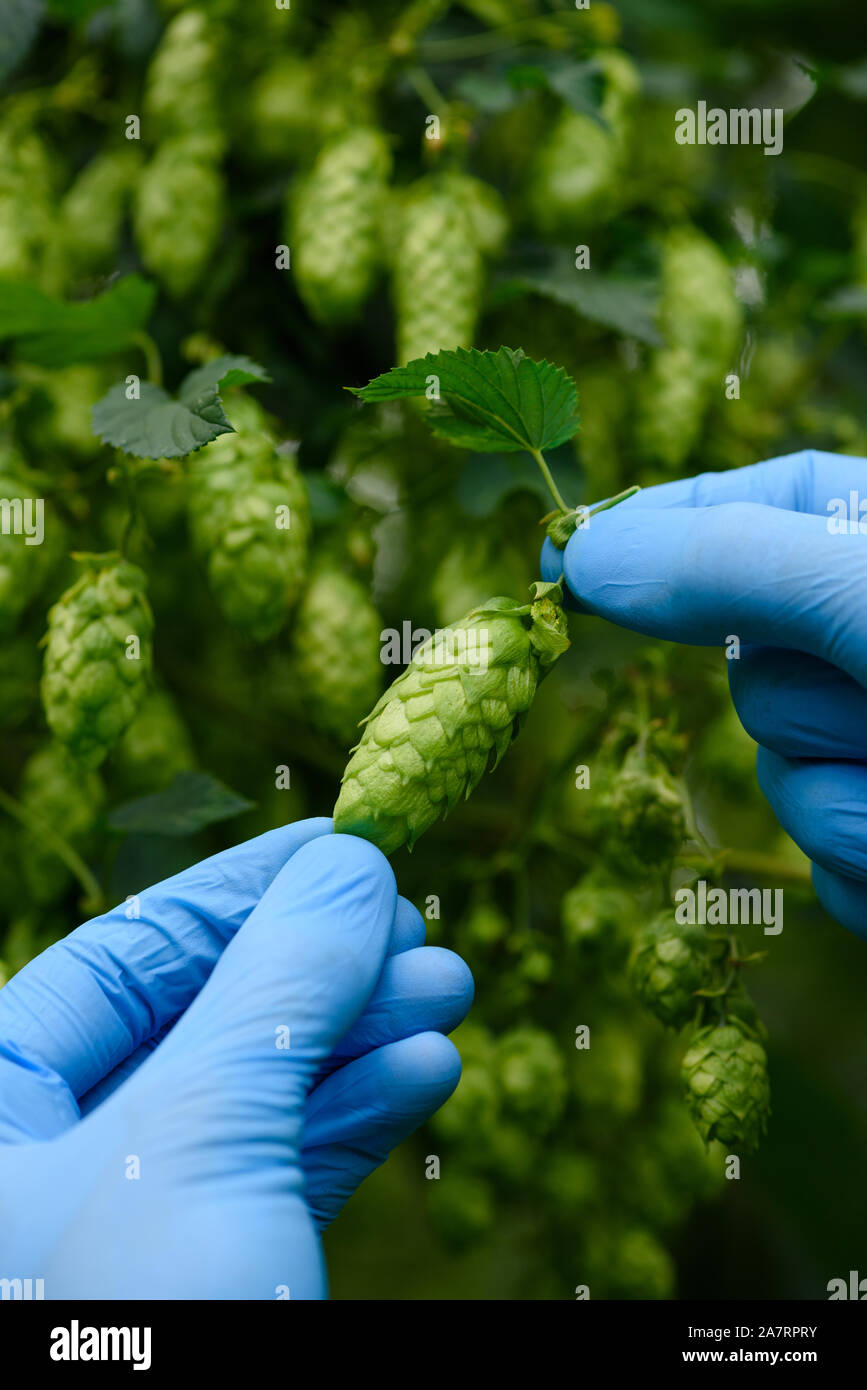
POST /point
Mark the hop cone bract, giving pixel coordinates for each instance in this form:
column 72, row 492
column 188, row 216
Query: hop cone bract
column 249, row 520
column 725, row 1074
column 336, row 233
column 451, row 714
column 669, row 963
column 91, row 687
column 336, row 652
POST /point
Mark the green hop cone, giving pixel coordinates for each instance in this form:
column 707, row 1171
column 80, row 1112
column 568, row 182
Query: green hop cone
column 578, row 174
column 700, row 320
column 28, row 230
column 280, row 112
column 249, row 520
column 180, row 89
column 336, row 652
column 532, row 1077
column 61, row 796
column 154, row 749
column 643, row 809
column 93, row 210
column 725, row 1076
column 179, row 213
column 438, row 271
column 596, row 916
column 669, row 963
column 452, row 713
column 95, row 676
column 336, row 218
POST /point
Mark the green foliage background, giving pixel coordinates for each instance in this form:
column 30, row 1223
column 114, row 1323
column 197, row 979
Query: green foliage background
column 558, row 1168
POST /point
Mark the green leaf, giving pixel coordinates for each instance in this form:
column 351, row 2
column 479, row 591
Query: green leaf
column 193, row 801
column 157, row 425
column 624, row 303
column 579, row 85
column 488, row 400
column 19, row 24
column 55, row 333
column 221, row 373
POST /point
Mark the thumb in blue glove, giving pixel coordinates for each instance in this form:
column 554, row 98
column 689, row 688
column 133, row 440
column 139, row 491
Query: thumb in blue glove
column 212, row 1149
column 751, row 554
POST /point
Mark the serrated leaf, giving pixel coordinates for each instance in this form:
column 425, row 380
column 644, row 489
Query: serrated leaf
column 56, row 333
column 157, row 425
column 19, row 25
column 193, row 801
column 220, row 374
column 624, row 303
column 488, row 400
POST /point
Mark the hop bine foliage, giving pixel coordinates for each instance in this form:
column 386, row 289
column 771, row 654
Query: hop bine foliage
column 336, row 225
column 91, row 687
column 453, row 711
column 669, row 963
column 249, row 522
column 336, row 648
column 725, row 1076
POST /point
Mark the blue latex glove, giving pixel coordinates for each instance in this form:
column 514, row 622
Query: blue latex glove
column 157, row 1042
column 750, row 553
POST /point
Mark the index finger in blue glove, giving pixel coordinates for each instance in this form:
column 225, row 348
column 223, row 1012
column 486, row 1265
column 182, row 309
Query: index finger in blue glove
column 767, row 576
column 803, row 482
column 92, row 999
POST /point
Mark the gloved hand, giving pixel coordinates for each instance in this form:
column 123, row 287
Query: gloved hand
column 188, row 1097
column 754, row 553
